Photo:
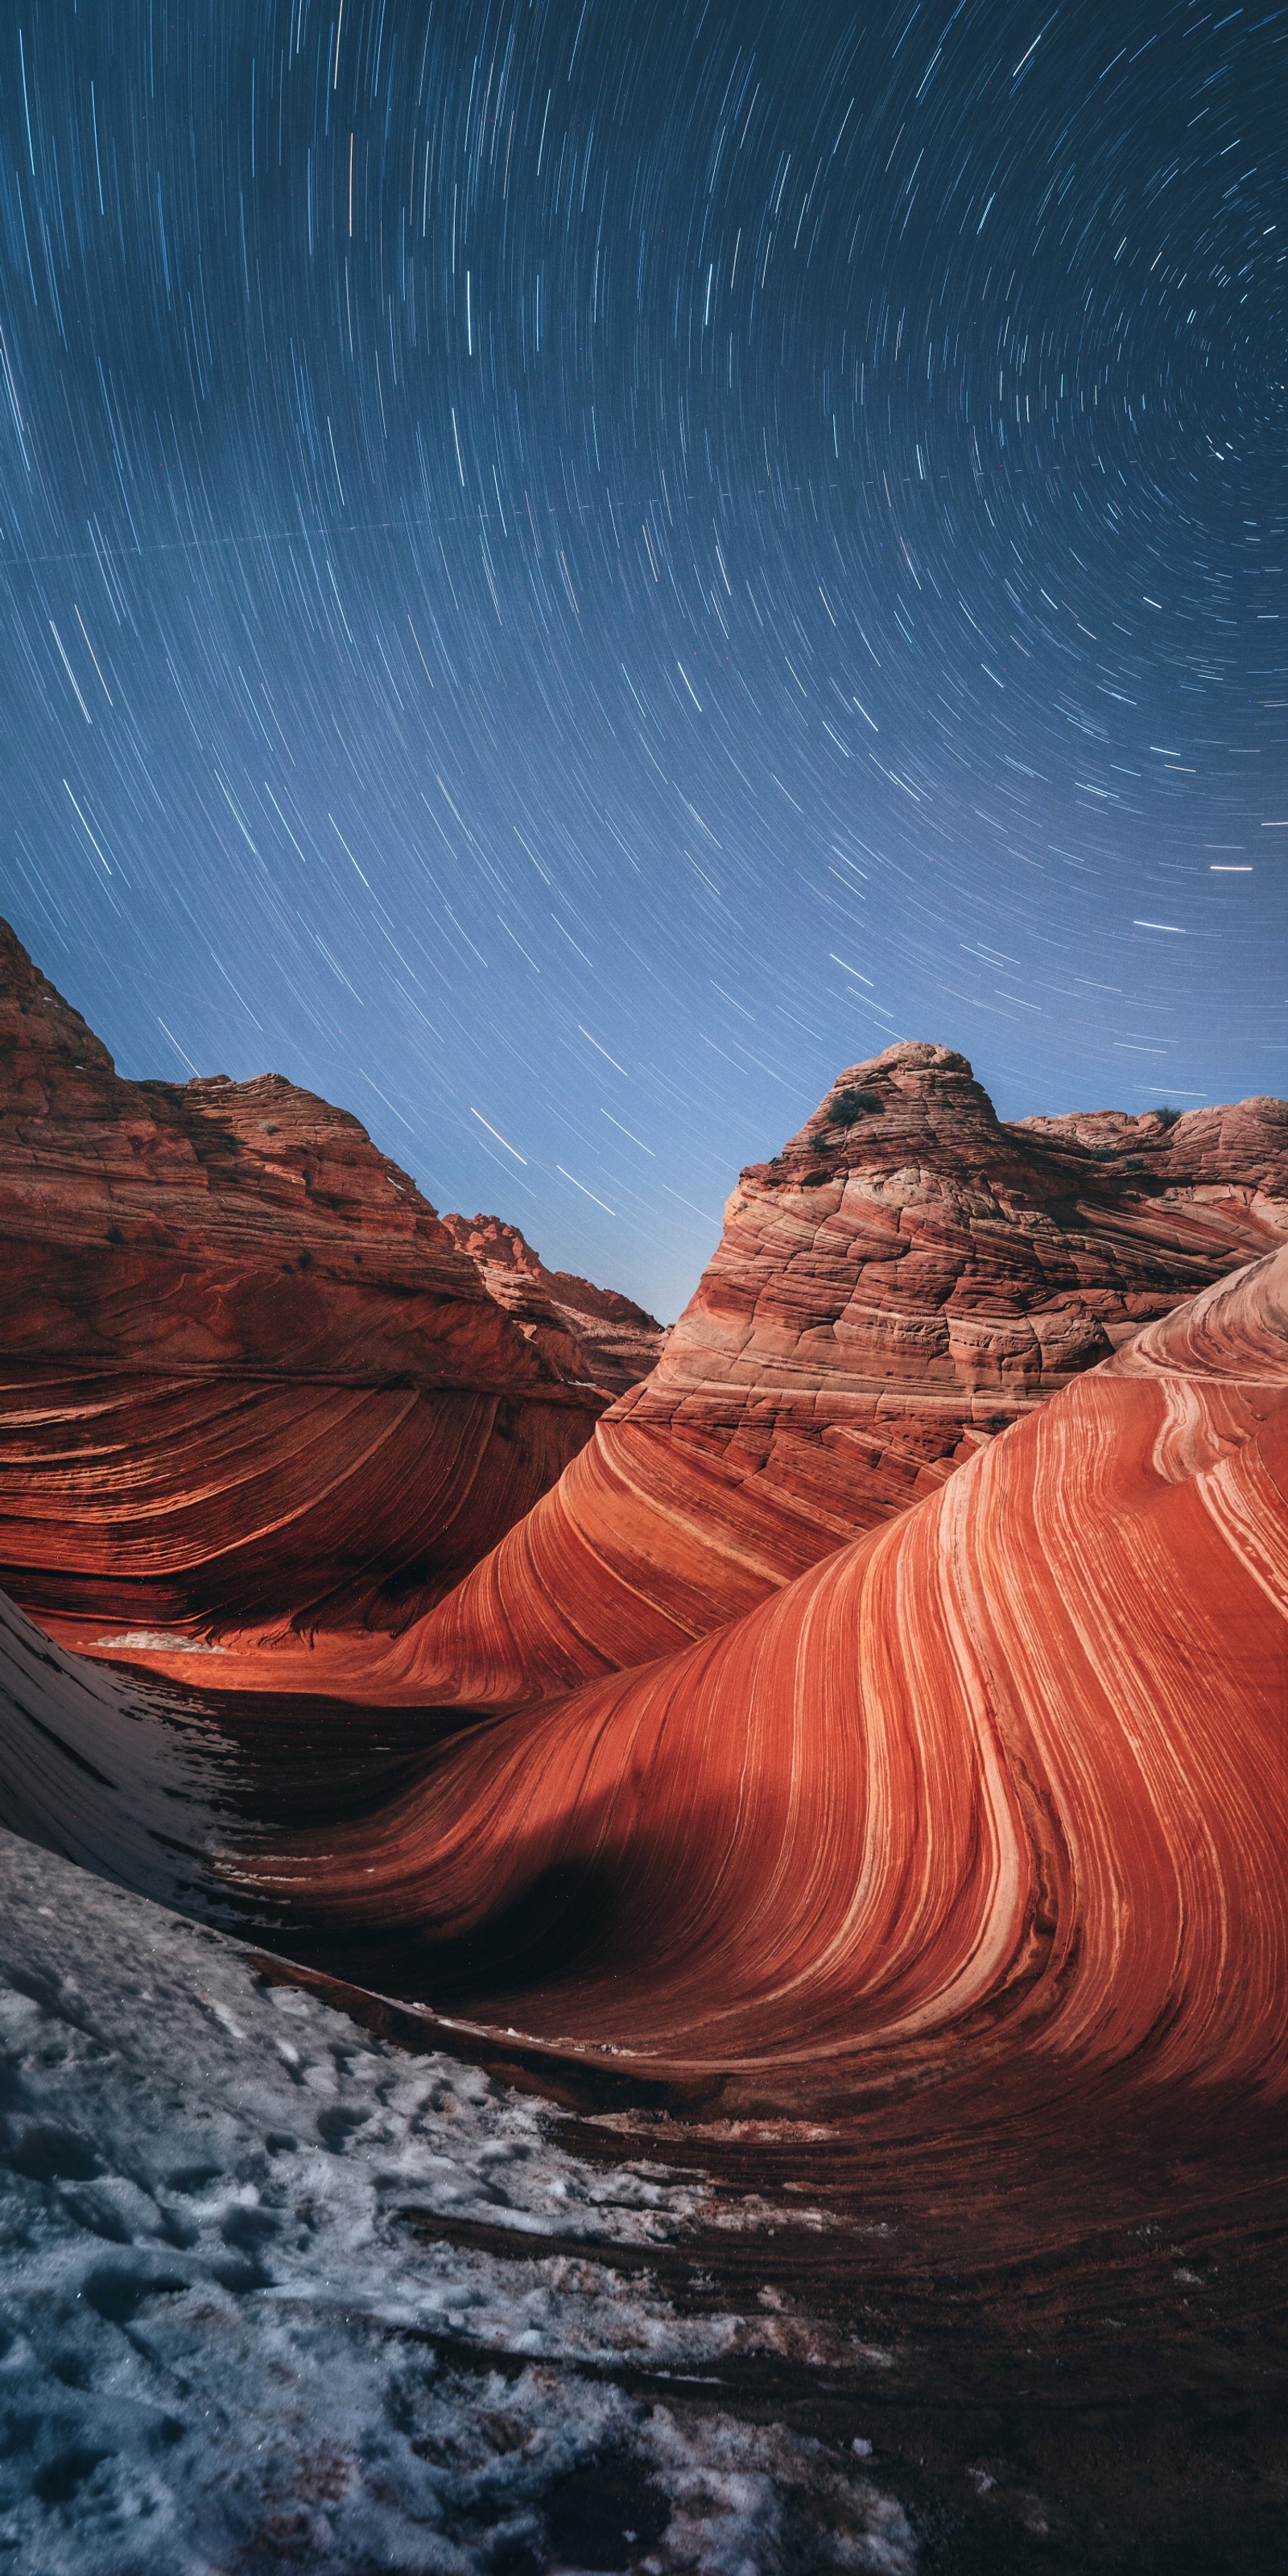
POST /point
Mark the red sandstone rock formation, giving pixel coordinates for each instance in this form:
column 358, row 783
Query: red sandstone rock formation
column 589, row 1334
column 1003, row 1780
column 247, row 1374
column 1000, row 1787
column 999, row 1781
column 905, row 1279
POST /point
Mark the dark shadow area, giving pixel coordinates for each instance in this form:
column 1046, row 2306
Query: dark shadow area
column 607, row 2515
column 565, row 1916
column 292, row 1763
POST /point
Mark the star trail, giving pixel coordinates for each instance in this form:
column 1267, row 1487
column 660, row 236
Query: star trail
column 571, row 569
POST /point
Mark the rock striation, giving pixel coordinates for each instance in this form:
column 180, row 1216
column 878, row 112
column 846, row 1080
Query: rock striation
column 889, row 1697
column 1003, row 1780
column 908, row 1277
column 247, row 1374
column 591, row 1335
column 1000, row 1787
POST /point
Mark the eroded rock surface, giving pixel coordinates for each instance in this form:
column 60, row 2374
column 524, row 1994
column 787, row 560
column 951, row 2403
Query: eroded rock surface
column 1002, row 1782
column 247, row 1373
column 589, row 1334
column 904, row 1280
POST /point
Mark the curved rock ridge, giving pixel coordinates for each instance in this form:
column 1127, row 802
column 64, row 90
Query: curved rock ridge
column 1005, row 1778
column 906, row 1278
column 593, row 1335
column 246, row 1369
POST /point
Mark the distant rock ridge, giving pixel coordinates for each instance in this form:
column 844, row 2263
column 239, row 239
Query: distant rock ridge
column 907, row 1234
column 586, row 1332
column 246, row 1368
column 907, row 1277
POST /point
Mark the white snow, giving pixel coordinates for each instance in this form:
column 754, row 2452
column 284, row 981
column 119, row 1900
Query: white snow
column 222, row 2341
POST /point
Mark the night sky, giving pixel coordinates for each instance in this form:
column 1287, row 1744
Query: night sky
column 571, row 570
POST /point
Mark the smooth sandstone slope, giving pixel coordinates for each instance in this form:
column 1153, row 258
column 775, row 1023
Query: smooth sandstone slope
column 247, row 1375
column 592, row 1334
column 995, row 1796
column 1003, row 1782
column 905, row 1279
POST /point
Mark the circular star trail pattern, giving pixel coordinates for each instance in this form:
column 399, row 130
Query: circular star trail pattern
column 571, row 569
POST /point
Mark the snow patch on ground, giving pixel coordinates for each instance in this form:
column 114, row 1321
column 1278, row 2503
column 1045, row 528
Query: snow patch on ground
column 225, row 2347
column 156, row 1641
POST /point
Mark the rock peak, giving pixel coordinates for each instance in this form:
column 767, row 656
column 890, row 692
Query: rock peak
column 45, row 1042
column 909, row 1276
column 914, row 1102
column 912, row 1055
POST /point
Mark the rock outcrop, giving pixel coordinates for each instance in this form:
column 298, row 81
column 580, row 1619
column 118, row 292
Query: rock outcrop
column 908, row 1277
column 786, row 1790
column 1003, row 1781
column 589, row 1334
column 247, row 1373
column 999, row 1787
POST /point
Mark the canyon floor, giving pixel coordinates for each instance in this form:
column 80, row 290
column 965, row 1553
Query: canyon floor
column 284, row 2286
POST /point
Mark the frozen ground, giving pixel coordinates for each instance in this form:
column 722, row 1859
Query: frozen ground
column 225, row 2347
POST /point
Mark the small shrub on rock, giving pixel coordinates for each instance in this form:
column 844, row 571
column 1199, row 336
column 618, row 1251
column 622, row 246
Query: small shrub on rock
column 849, row 1106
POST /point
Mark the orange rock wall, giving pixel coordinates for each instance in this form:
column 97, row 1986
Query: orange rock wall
column 1009, row 1773
column 245, row 1371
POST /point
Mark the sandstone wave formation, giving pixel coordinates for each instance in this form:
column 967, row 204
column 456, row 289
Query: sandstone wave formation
column 248, row 1375
column 1009, row 1772
column 888, row 1690
column 907, row 1278
column 1000, row 1785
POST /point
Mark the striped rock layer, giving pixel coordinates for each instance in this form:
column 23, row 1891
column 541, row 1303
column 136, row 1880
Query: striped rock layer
column 908, row 1277
column 1007, row 1774
column 761, row 1783
column 592, row 1335
column 247, row 1374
